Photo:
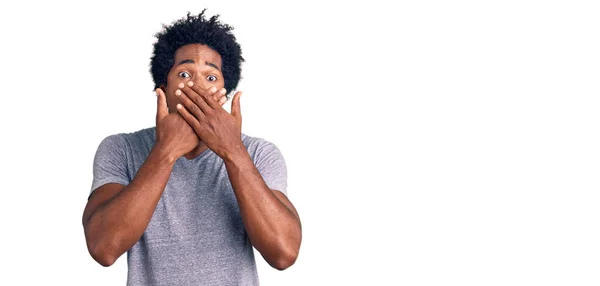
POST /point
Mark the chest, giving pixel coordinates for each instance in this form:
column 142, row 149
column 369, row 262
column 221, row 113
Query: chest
column 198, row 202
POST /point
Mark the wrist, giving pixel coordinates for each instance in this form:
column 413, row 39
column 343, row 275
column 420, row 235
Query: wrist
column 236, row 154
column 163, row 153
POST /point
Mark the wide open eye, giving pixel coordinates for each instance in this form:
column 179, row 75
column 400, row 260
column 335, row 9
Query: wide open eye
column 211, row 78
column 184, row 74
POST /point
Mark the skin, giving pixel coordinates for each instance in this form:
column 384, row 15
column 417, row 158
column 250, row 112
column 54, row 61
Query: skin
column 190, row 119
column 195, row 63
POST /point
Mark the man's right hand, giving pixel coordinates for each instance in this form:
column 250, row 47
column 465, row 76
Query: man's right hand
column 116, row 215
column 173, row 134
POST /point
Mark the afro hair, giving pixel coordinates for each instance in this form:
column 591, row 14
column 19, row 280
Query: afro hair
column 197, row 30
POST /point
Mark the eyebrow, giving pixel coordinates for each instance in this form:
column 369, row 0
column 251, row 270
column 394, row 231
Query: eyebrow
column 212, row 65
column 190, row 61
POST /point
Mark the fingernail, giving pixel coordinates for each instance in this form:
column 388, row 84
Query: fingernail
column 179, row 106
column 213, row 89
column 178, row 92
column 190, row 83
column 181, row 85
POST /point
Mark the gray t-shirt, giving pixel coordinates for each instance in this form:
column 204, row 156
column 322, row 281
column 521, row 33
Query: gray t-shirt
column 196, row 235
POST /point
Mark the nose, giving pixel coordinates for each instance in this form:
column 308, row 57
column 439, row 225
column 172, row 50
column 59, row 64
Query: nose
column 201, row 83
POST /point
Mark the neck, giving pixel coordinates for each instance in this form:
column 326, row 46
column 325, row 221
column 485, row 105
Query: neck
column 196, row 151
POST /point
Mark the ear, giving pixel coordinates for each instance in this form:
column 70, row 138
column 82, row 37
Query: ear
column 164, row 89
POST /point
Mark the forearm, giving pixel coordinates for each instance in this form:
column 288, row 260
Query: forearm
column 120, row 222
column 273, row 228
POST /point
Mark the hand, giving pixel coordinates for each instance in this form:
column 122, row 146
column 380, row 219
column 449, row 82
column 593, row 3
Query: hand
column 219, row 130
column 173, row 134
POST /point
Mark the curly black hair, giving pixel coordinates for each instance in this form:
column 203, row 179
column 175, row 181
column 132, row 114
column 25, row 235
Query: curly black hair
column 197, row 30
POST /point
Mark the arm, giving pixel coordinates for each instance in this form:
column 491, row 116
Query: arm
column 270, row 219
column 115, row 216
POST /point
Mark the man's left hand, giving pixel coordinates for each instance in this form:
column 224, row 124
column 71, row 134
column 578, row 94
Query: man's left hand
column 219, row 130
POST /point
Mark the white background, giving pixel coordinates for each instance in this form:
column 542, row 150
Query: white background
column 427, row 143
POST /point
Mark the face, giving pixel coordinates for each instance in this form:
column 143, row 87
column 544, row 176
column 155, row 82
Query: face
column 197, row 63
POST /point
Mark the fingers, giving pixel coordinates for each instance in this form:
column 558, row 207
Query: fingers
column 207, row 95
column 236, row 110
column 161, row 110
column 189, row 118
column 196, row 88
column 197, row 98
column 218, row 95
column 222, row 100
column 191, row 107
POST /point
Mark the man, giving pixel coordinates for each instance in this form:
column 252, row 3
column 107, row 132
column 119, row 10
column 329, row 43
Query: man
column 189, row 198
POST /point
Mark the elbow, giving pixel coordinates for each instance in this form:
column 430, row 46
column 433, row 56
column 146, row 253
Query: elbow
column 285, row 259
column 101, row 253
column 287, row 251
column 105, row 261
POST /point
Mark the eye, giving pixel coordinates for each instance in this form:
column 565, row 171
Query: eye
column 211, row 78
column 184, row 74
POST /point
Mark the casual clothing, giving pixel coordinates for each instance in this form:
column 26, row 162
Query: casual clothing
column 196, row 235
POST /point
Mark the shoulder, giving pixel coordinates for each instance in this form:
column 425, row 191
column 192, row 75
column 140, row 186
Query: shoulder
column 146, row 135
column 260, row 148
column 132, row 140
column 257, row 144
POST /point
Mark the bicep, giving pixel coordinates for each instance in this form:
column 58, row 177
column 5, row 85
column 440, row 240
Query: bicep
column 99, row 197
column 110, row 174
column 271, row 165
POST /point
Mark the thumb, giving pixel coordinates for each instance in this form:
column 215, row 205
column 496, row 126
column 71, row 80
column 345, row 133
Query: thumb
column 162, row 110
column 235, row 106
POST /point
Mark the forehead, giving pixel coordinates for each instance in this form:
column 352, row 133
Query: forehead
column 198, row 53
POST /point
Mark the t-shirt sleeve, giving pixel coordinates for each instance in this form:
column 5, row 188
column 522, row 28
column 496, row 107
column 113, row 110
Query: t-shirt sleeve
column 110, row 162
column 270, row 164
